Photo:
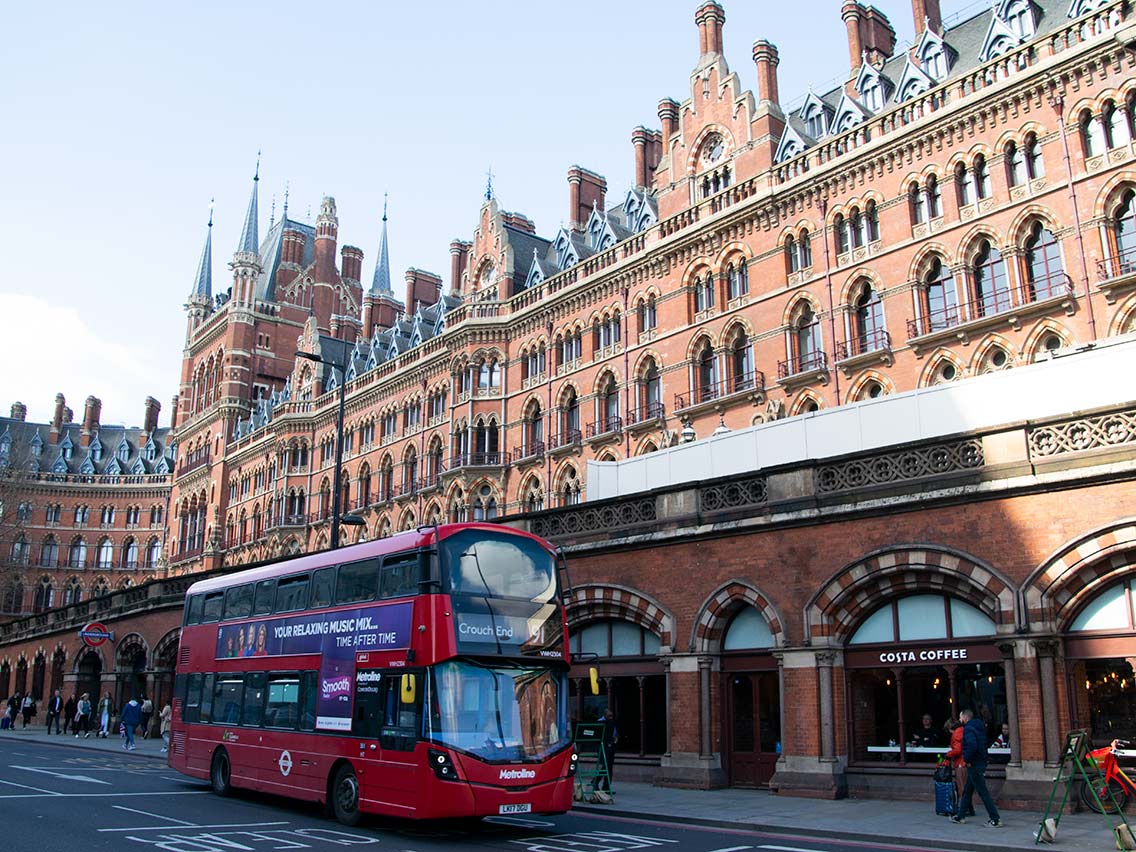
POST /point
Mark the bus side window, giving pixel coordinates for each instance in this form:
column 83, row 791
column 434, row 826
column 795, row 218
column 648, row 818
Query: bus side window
column 228, row 693
column 238, row 601
column 252, row 713
column 323, row 582
column 283, row 702
column 265, row 595
column 308, row 692
column 191, row 711
column 212, row 608
column 400, row 576
column 193, row 611
column 358, row 581
column 292, row 593
column 207, row 698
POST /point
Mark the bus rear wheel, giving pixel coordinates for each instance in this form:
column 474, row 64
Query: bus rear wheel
column 345, row 796
column 220, row 773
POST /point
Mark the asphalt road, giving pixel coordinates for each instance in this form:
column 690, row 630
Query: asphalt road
column 57, row 798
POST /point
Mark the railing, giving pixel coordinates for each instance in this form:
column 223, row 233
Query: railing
column 494, row 459
column 605, row 425
column 187, row 553
column 193, row 461
column 1123, row 263
column 740, row 383
column 877, row 340
column 567, row 438
column 991, row 305
column 796, row 365
column 534, row 450
column 650, row 411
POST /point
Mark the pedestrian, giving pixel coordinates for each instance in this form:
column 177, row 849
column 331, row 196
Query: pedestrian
column 27, row 709
column 607, row 750
column 70, row 709
column 54, row 711
column 131, row 716
column 83, row 716
column 11, row 711
column 147, row 712
column 958, row 765
column 106, row 712
column 164, row 719
column 974, row 753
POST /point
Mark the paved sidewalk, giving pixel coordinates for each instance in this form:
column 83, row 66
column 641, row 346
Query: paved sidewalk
column 849, row 819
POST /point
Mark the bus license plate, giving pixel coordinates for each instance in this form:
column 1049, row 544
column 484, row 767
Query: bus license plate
column 515, row 809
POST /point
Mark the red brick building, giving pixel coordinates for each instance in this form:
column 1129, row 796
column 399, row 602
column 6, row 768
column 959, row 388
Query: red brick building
column 960, row 208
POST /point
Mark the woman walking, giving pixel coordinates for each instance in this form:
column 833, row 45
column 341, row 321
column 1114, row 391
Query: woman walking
column 106, row 711
column 83, row 716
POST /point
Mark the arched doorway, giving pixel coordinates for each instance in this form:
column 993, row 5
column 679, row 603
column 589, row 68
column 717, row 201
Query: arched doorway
column 21, row 676
column 58, row 659
column 130, row 671
column 752, row 690
column 165, row 661
column 90, row 672
column 39, row 672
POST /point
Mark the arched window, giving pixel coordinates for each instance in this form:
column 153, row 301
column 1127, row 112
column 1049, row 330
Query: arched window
column 917, row 203
column 807, row 354
column 651, row 393
column 991, row 283
column 704, row 293
column 49, row 552
column 609, row 405
column 154, row 553
column 533, row 500
column 12, row 598
column 738, row 279
column 1045, row 275
column 130, row 553
column 1035, row 163
column 1092, row 134
column 964, row 185
column 571, row 417
column 871, row 223
column 645, row 313
column 940, row 299
column 20, row 551
column 570, row 487
column 44, row 595
column 741, row 362
column 981, row 177
column 706, row 372
column 484, row 504
column 1116, row 127
column 1123, row 224
column 747, row 630
column 534, row 430
column 840, row 233
column 73, row 594
column 1015, row 164
column 77, row 554
column 868, row 322
column 410, row 471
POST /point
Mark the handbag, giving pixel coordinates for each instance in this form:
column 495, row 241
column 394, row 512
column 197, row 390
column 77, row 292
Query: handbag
column 944, row 772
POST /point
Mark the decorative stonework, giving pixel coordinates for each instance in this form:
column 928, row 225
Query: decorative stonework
column 1088, row 433
column 589, row 518
column 888, row 468
column 590, row 603
column 723, row 605
column 741, row 493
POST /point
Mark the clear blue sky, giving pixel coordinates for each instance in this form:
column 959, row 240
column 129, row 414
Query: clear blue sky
column 122, row 120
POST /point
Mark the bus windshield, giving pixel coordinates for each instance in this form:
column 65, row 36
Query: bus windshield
column 498, row 565
column 498, row 713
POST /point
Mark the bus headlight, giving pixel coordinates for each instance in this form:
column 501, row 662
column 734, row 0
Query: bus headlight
column 573, row 763
column 443, row 765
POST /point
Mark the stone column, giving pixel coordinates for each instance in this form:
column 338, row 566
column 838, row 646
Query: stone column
column 705, row 720
column 1046, row 652
column 1007, row 649
column 781, row 706
column 824, row 661
column 670, row 699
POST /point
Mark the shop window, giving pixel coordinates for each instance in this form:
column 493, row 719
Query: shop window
column 1102, row 681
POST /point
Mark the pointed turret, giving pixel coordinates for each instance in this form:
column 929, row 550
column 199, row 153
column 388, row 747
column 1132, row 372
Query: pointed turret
column 203, row 283
column 381, row 284
column 250, row 242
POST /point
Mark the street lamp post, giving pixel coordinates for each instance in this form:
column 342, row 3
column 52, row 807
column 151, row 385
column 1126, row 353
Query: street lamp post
column 351, row 520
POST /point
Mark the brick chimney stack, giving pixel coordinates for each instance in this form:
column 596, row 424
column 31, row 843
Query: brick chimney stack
column 766, row 58
column 92, row 409
column 870, row 34
column 710, row 17
column 640, row 138
column 459, row 257
column 850, row 13
column 174, row 412
column 928, row 16
column 68, row 415
column 585, row 190
column 422, row 288
column 150, row 419
column 327, row 233
column 57, row 419
column 352, row 264
column 654, row 154
column 19, row 411
column 668, row 115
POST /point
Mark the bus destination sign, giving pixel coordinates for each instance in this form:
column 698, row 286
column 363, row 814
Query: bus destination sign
column 336, row 636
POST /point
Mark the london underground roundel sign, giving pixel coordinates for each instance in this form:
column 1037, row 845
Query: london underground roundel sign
column 94, row 634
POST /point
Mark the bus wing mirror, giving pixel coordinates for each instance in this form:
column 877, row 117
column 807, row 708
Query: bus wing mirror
column 594, row 675
column 409, row 688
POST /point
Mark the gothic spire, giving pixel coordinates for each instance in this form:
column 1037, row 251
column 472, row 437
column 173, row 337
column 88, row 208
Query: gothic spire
column 250, row 241
column 381, row 284
column 203, row 283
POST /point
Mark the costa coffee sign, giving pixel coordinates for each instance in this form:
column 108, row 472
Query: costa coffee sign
column 925, row 655
column 94, row 634
column 915, row 655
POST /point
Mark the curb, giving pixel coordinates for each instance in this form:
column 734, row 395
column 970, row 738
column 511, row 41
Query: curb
column 46, row 740
column 818, row 833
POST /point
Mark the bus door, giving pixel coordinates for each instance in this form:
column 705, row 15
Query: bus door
column 386, row 721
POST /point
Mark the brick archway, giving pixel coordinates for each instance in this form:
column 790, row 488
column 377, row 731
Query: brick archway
column 1078, row 570
column 592, row 602
column 860, row 587
column 720, row 608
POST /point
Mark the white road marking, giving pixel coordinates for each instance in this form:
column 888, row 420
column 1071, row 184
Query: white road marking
column 119, row 794
column 147, row 813
column 519, row 821
column 62, row 775
column 195, row 825
column 732, row 849
column 27, row 787
column 787, row 848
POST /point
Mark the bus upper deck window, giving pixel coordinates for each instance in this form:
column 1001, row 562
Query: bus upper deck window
column 238, row 601
column 193, row 611
column 323, row 583
column 212, row 608
column 292, row 593
column 265, row 595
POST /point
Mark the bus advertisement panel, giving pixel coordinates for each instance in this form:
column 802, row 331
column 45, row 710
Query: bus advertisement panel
column 336, row 636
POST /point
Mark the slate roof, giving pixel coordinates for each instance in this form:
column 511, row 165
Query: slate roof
column 270, row 253
column 18, row 437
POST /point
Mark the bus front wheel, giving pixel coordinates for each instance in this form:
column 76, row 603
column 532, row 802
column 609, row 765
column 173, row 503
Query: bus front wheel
column 345, row 796
column 220, row 773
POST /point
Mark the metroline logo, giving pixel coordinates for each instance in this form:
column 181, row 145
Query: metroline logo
column 515, row 774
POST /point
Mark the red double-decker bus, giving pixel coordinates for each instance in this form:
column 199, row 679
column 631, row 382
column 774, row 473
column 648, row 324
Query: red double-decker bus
column 423, row 675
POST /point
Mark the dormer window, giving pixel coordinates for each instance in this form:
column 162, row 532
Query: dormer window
column 815, row 123
column 123, row 452
column 1019, row 18
column 873, row 97
column 96, row 450
column 934, row 63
